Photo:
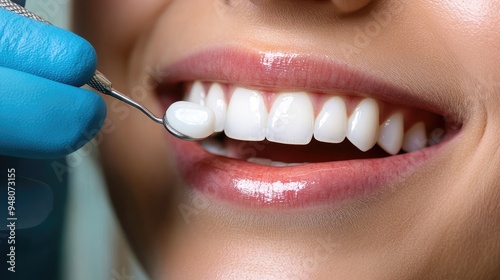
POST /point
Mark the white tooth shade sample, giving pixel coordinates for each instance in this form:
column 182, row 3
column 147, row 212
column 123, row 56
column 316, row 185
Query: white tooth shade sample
column 362, row 128
column 197, row 94
column 392, row 134
column 415, row 138
column 246, row 117
column 291, row 119
column 191, row 119
column 331, row 122
column 217, row 102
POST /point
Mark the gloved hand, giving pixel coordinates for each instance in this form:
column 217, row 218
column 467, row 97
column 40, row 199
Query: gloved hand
column 43, row 112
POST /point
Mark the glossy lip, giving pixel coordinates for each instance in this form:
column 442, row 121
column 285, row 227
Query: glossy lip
column 253, row 185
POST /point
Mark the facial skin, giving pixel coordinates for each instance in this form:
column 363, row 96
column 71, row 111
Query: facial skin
column 442, row 222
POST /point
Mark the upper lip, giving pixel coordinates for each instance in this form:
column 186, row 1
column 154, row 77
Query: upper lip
column 278, row 72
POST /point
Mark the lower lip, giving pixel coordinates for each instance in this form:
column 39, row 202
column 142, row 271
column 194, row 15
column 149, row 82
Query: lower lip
column 252, row 185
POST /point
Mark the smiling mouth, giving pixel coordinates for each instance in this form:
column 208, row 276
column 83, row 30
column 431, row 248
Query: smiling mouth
column 294, row 128
column 294, row 131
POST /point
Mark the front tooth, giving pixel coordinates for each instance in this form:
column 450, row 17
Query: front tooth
column 217, row 102
column 197, row 94
column 392, row 133
column 415, row 138
column 362, row 128
column 331, row 123
column 246, row 116
column 291, row 119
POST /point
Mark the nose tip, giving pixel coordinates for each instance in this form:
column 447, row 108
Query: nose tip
column 342, row 6
column 350, row 6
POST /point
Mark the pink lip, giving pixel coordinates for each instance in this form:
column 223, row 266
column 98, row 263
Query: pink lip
column 278, row 71
column 254, row 185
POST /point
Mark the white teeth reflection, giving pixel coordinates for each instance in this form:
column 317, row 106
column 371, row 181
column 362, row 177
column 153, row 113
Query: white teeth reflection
column 292, row 120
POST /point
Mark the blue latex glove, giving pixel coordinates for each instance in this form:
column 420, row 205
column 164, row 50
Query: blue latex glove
column 43, row 112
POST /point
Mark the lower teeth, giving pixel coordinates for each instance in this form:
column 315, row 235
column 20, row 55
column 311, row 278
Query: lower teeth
column 214, row 147
column 268, row 162
column 217, row 146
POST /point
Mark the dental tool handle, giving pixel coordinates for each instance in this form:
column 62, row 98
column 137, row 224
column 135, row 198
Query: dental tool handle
column 99, row 82
column 183, row 129
column 20, row 10
column 102, row 84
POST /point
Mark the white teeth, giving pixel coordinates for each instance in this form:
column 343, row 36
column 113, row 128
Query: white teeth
column 392, row 134
column 291, row 120
column 197, row 94
column 362, row 128
column 268, row 162
column 246, row 117
column 331, row 123
column 217, row 102
column 415, row 138
column 214, row 147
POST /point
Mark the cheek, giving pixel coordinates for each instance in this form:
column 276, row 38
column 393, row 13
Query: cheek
column 134, row 143
column 134, row 15
column 469, row 29
column 113, row 26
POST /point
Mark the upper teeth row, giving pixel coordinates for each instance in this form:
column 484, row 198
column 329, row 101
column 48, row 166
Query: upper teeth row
column 292, row 120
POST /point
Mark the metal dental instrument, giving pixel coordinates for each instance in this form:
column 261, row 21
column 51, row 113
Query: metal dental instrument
column 100, row 83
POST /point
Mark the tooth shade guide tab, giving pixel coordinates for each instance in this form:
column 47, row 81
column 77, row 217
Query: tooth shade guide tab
column 190, row 119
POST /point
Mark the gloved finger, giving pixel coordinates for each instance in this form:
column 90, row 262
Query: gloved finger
column 44, row 50
column 40, row 118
